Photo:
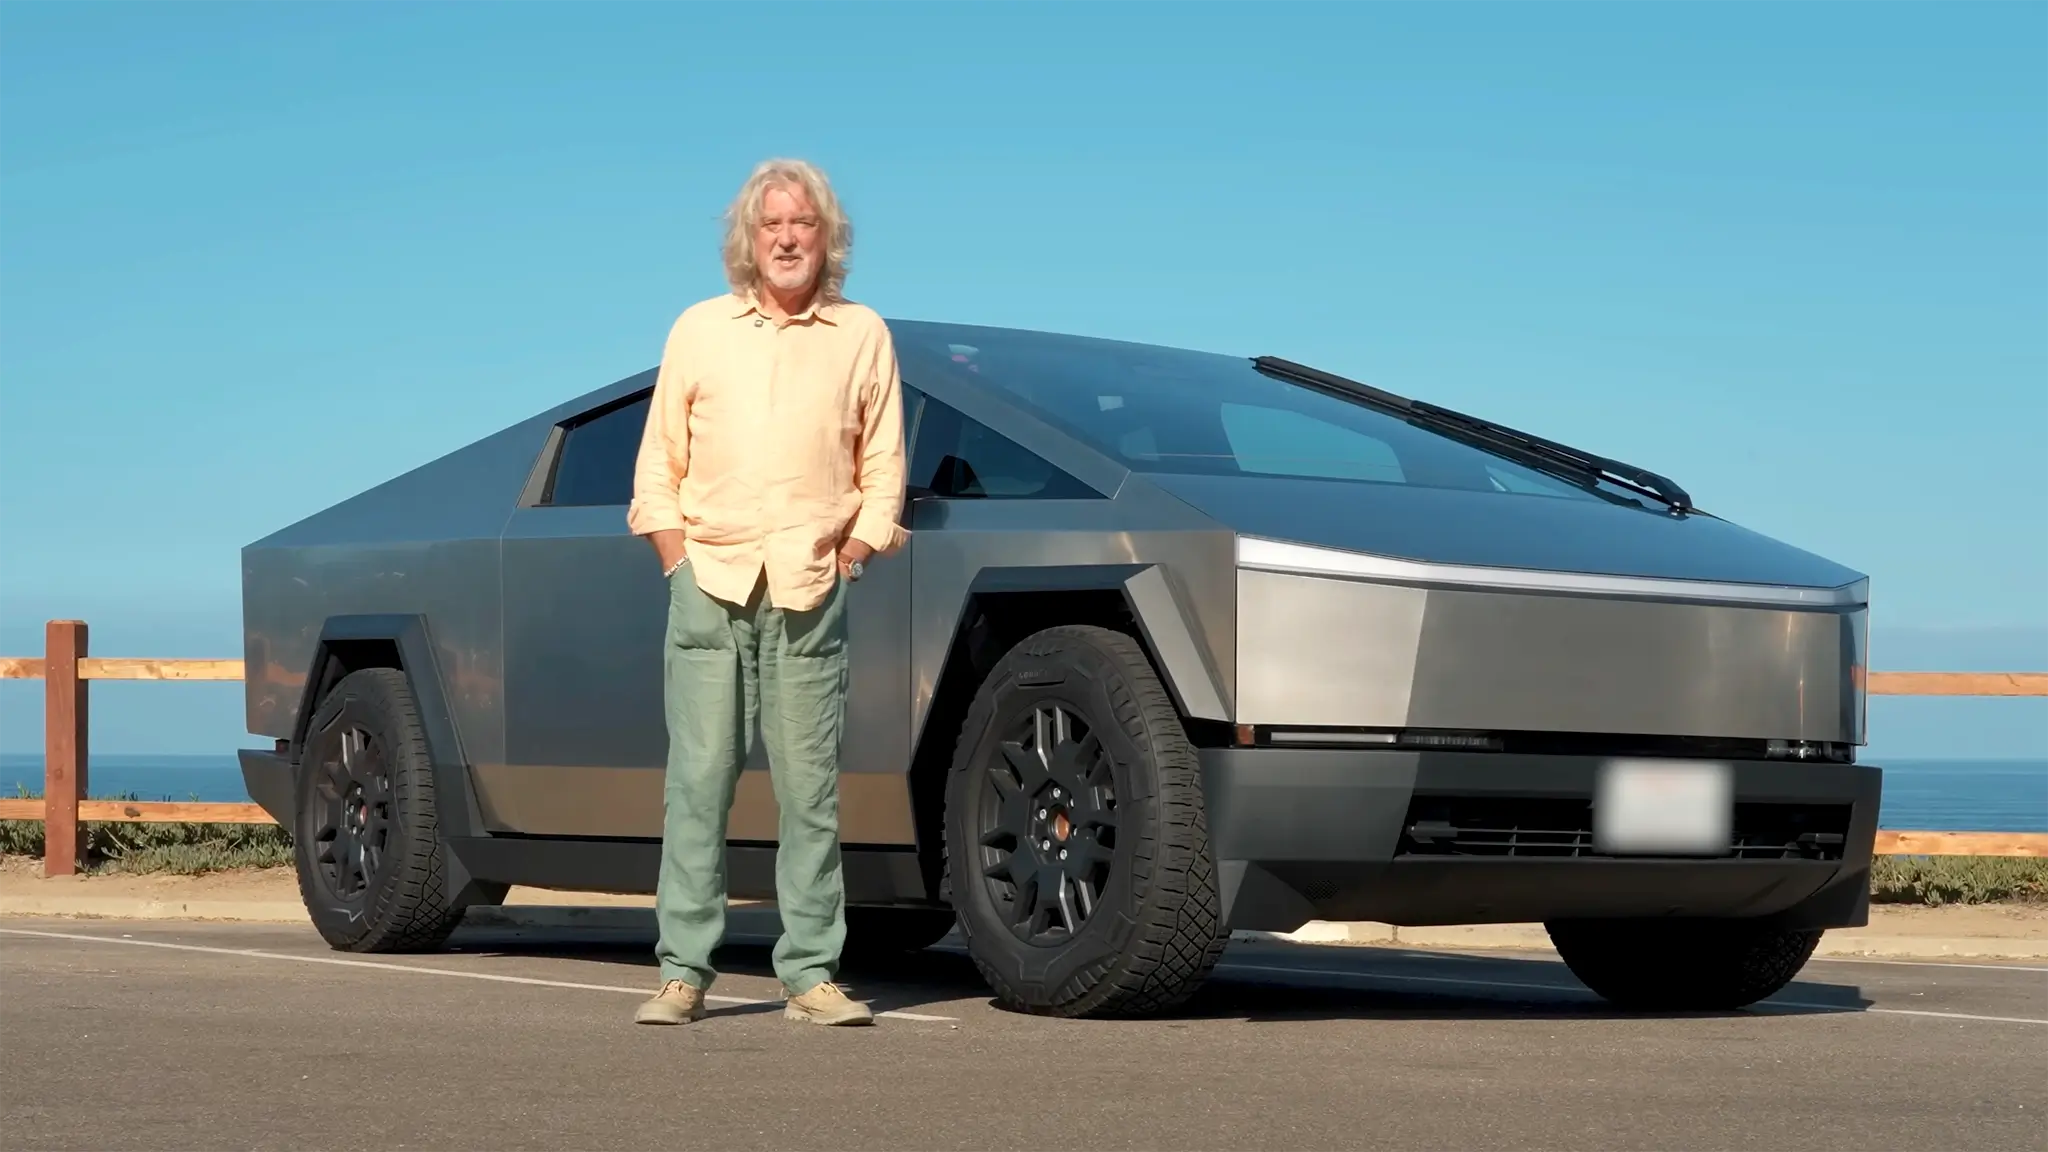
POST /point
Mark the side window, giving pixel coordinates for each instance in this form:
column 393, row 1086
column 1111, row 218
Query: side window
column 912, row 398
column 962, row 459
column 595, row 465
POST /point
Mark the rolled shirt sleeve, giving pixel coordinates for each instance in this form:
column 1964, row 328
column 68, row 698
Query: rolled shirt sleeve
column 881, row 467
column 664, row 457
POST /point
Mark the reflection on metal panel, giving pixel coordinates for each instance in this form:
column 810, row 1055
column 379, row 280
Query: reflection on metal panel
column 968, row 545
column 585, row 607
column 1191, row 676
column 1560, row 664
column 1281, row 556
column 422, row 543
column 579, row 800
column 1321, row 651
column 1494, row 530
column 294, row 591
column 586, row 613
column 1324, row 651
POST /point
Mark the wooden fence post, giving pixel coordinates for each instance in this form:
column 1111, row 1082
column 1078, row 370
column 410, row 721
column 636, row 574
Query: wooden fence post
column 64, row 746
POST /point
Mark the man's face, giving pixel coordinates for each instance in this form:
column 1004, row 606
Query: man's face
column 786, row 243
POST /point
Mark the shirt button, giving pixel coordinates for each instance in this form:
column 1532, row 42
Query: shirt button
column 757, row 321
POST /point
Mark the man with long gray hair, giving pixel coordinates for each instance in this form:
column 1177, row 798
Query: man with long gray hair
column 771, row 471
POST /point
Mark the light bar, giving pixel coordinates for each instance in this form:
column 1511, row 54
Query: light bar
column 1265, row 555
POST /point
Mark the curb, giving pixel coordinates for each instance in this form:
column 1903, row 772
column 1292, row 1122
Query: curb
column 1848, row 942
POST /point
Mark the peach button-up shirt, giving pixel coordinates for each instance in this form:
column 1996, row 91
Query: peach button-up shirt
column 769, row 444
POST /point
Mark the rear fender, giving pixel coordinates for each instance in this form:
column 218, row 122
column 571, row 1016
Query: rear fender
column 402, row 641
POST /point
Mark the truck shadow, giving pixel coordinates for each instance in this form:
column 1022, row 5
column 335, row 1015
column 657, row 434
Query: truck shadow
column 1256, row 982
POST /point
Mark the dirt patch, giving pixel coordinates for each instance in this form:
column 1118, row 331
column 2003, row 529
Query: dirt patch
column 2002, row 921
column 20, row 875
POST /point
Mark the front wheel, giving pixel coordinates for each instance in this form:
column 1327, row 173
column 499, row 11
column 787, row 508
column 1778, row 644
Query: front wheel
column 1077, row 845
column 1682, row 965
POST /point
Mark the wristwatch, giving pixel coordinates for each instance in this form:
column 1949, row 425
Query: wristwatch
column 675, row 567
column 854, row 570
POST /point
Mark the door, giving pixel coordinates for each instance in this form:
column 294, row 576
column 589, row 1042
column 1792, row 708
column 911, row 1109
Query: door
column 585, row 612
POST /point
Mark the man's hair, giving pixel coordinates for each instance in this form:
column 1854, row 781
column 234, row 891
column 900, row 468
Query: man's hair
column 743, row 216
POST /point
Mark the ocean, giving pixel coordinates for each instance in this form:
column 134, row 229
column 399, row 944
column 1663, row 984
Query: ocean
column 1933, row 795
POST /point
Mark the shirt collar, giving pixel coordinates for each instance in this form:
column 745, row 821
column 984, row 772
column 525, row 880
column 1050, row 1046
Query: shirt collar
column 750, row 302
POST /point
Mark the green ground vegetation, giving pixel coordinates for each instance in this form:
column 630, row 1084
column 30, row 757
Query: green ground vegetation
column 182, row 849
column 1937, row 880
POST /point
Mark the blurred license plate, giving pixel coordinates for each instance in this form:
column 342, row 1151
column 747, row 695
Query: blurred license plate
column 1664, row 808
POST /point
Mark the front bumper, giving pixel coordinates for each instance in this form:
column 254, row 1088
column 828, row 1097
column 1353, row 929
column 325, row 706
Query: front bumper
column 1421, row 838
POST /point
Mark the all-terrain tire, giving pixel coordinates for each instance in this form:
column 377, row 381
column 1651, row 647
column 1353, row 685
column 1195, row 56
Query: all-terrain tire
column 366, row 763
column 876, row 931
column 1682, row 965
column 1156, row 930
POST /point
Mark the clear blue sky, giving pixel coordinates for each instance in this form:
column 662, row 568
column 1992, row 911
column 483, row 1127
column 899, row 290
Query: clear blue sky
column 255, row 258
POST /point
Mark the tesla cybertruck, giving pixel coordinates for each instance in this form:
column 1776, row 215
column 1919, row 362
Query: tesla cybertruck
column 1181, row 643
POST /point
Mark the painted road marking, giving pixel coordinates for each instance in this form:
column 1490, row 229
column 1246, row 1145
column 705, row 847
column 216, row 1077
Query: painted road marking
column 1223, row 969
column 258, row 954
column 1226, row 969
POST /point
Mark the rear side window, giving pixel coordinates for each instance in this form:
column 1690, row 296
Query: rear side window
column 963, row 459
column 595, row 465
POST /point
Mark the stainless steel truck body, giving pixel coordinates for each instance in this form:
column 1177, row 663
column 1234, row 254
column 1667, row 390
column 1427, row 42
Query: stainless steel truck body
column 1181, row 643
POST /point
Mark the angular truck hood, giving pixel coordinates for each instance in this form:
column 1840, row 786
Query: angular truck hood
column 1540, row 533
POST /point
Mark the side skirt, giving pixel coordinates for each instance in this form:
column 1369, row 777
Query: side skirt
column 873, row 874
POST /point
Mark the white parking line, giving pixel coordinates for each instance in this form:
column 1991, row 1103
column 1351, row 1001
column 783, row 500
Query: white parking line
column 256, row 954
column 1226, row 969
column 1221, row 969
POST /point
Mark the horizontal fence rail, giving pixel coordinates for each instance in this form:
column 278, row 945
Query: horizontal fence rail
column 65, row 670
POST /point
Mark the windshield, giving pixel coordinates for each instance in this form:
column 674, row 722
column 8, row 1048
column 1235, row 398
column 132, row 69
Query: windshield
column 1167, row 410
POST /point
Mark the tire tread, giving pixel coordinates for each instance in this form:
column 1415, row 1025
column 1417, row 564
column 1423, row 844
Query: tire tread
column 1179, row 935
column 412, row 911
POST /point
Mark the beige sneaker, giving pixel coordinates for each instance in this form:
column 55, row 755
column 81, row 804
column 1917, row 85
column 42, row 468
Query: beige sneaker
column 676, row 1003
column 826, row 1004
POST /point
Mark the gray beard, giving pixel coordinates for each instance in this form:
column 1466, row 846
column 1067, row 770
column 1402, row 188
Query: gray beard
column 789, row 281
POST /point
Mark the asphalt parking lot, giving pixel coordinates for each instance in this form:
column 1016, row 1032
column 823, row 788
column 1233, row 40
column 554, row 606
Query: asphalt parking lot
column 125, row 1034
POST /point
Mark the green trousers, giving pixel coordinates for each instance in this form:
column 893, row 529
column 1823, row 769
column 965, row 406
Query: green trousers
column 727, row 666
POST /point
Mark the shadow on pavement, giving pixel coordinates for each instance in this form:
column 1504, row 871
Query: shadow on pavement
column 1264, row 982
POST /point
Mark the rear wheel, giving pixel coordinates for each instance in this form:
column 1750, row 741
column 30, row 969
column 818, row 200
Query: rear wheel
column 1077, row 848
column 1682, row 965
column 365, row 837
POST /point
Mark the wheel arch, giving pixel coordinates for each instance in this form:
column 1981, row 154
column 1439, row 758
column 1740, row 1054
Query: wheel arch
column 998, row 611
column 351, row 643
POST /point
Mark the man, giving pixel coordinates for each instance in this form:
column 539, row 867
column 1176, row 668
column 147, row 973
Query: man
column 771, row 471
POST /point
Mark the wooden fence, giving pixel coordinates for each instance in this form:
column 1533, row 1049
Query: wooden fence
column 66, row 670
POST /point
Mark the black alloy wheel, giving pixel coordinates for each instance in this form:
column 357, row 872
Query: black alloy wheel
column 352, row 798
column 1048, row 824
column 1077, row 853
column 373, row 870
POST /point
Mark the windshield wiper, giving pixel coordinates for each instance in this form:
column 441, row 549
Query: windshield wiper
column 1487, row 434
